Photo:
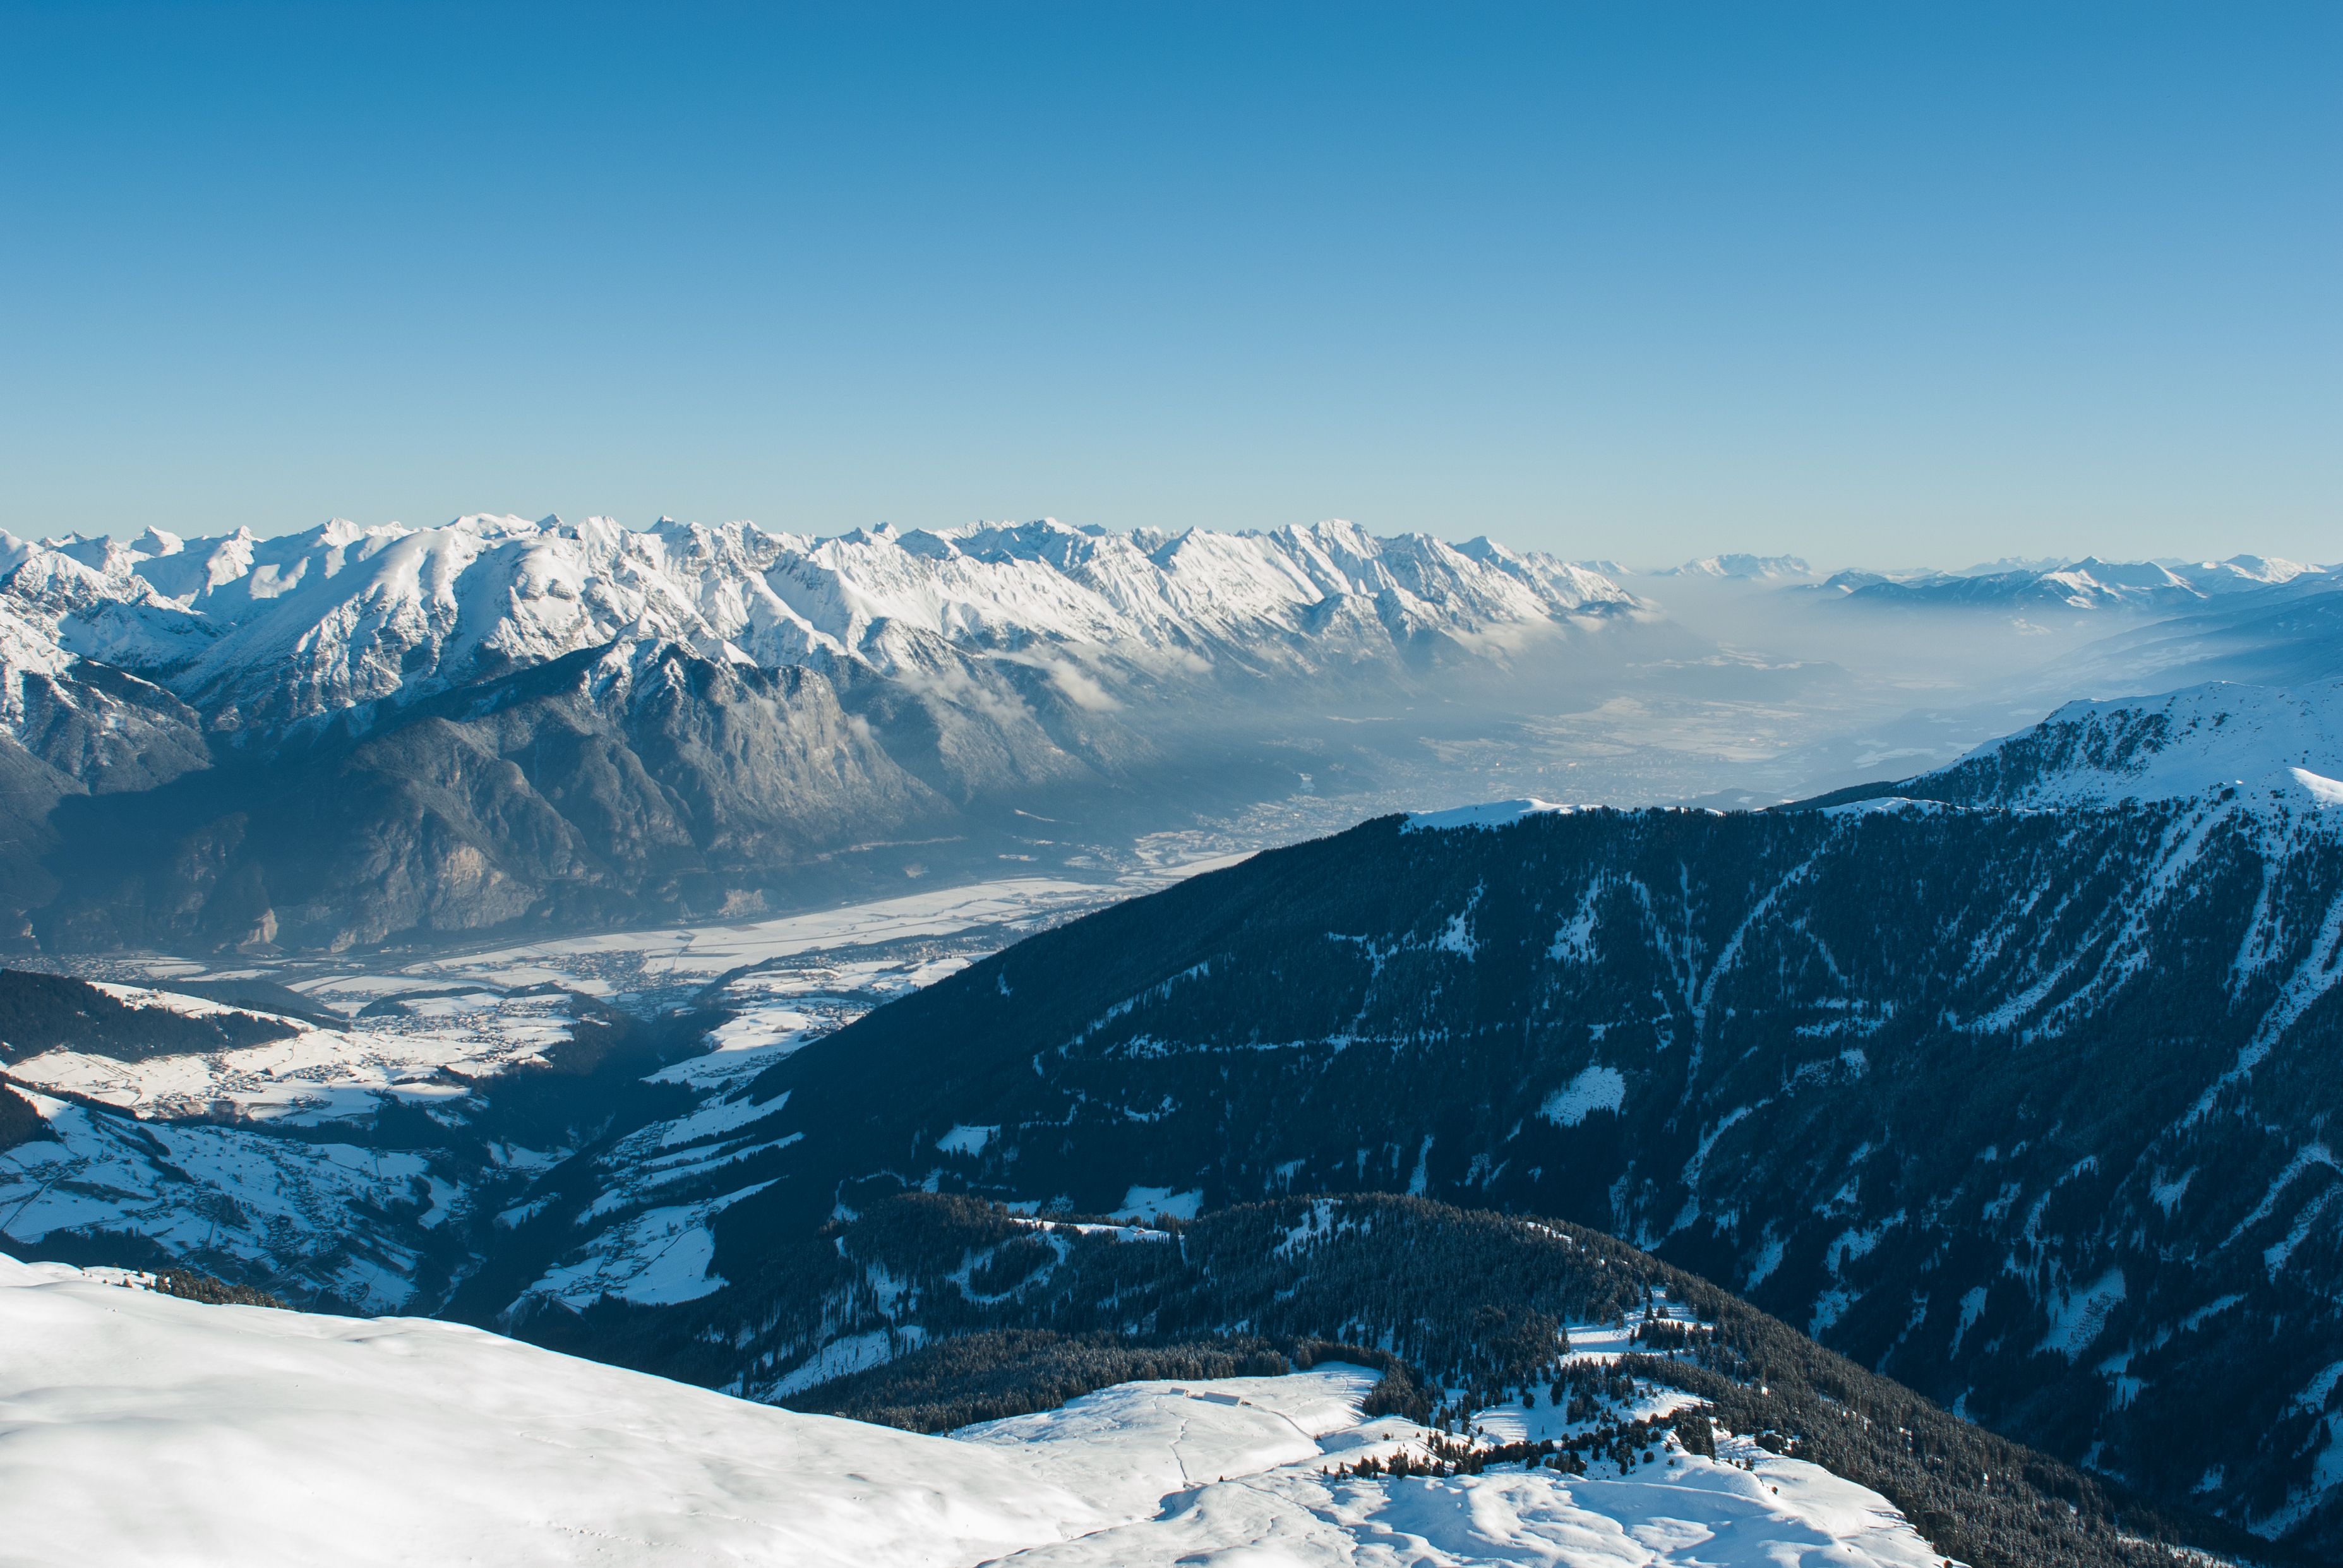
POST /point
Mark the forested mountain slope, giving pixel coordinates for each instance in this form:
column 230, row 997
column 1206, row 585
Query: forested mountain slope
column 2024, row 1107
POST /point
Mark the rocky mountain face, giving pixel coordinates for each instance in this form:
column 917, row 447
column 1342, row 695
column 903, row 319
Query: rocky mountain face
column 348, row 735
column 2025, row 1107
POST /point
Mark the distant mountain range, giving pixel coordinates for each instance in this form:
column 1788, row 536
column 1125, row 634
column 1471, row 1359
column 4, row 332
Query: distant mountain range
column 2085, row 584
column 1739, row 566
column 351, row 734
column 265, row 635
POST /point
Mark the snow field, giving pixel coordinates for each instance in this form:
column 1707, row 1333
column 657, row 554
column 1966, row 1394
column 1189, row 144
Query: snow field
column 163, row 1432
column 274, row 1438
column 1708, row 1516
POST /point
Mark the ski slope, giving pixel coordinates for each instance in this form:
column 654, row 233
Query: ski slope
column 163, row 1432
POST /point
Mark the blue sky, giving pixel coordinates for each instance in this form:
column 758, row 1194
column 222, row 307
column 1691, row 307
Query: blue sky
column 1893, row 283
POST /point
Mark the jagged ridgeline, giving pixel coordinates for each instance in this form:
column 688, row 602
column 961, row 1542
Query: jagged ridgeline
column 2024, row 1108
column 972, row 1314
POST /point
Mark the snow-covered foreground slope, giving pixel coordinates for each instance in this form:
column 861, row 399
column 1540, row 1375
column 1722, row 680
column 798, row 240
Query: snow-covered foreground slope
column 1696, row 1511
column 160, row 1431
column 1272, row 1452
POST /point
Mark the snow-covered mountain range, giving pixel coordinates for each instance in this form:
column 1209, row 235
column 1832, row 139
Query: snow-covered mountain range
column 263, row 634
column 2087, row 584
column 500, row 722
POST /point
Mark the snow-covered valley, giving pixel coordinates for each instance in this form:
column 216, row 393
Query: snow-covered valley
column 261, row 1131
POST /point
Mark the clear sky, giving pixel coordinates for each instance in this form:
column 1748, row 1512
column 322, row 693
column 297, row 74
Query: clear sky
column 1885, row 282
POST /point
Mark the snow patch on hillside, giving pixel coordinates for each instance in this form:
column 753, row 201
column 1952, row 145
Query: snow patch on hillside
column 2080, row 1315
column 962, row 1140
column 1488, row 814
column 1595, row 1089
column 1153, row 1202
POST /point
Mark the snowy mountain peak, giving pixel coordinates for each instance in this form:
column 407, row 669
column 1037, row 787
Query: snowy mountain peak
column 2240, row 572
column 2271, row 744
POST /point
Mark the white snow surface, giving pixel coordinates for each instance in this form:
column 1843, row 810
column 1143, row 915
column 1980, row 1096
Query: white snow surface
column 265, row 1437
column 268, row 1438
